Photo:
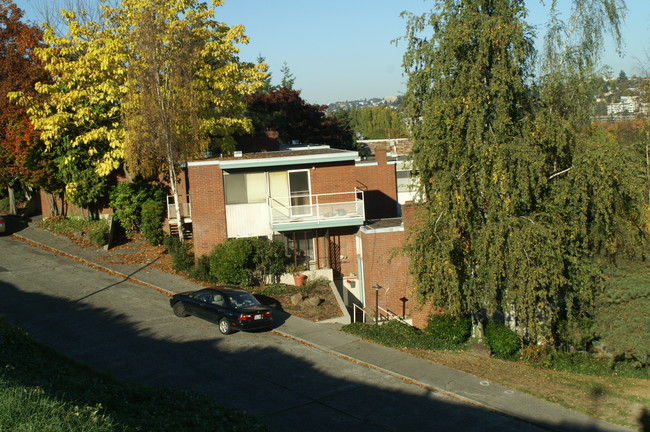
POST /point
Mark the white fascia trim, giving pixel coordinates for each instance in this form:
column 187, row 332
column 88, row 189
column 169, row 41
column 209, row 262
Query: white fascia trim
column 279, row 161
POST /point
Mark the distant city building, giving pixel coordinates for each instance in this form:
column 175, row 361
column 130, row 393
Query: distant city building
column 628, row 104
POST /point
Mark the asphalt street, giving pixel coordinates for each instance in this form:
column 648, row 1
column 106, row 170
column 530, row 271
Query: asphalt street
column 129, row 331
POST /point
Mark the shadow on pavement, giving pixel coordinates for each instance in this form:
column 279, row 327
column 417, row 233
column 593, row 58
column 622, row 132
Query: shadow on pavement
column 15, row 223
column 287, row 391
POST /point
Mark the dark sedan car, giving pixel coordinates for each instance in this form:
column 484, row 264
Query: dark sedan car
column 230, row 307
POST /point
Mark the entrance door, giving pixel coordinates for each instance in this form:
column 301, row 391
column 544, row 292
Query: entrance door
column 299, row 193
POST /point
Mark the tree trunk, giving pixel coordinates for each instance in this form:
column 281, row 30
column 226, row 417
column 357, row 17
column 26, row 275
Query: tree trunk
column 12, row 200
column 54, row 207
column 177, row 206
column 477, row 327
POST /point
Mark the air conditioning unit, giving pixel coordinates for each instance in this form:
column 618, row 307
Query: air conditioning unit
column 238, row 154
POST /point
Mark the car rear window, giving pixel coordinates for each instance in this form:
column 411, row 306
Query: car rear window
column 239, row 300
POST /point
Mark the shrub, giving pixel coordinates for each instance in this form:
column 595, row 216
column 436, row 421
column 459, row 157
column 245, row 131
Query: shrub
column 587, row 364
column 233, row 261
column 247, row 261
column 269, row 259
column 503, row 342
column 578, row 333
column 201, row 270
column 182, row 259
column 393, row 334
column 99, row 234
column 448, row 329
column 152, row 219
column 127, row 199
column 537, row 355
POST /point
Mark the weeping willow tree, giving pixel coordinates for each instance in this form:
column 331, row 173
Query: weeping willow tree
column 517, row 193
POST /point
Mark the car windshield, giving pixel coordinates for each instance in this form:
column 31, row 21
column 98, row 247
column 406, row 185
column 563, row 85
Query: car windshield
column 240, row 300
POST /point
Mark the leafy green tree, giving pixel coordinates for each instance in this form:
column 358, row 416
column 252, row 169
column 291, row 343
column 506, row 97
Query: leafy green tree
column 149, row 82
column 378, row 122
column 267, row 82
column 128, row 199
column 284, row 111
column 516, row 195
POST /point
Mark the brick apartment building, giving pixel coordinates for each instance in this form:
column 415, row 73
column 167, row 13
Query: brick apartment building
column 331, row 209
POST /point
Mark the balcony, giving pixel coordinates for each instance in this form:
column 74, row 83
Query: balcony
column 317, row 211
column 185, row 208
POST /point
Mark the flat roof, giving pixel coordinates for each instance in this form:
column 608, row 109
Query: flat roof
column 279, row 158
column 376, row 226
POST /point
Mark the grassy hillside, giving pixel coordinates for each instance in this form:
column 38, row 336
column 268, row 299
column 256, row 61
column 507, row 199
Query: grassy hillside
column 41, row 390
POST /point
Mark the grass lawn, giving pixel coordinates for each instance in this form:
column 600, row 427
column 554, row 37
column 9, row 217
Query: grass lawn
column 578, row 381
column 611, row 398
column 41, row 390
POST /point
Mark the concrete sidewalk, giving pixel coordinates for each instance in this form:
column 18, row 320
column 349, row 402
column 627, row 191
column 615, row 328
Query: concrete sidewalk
column 327, row 337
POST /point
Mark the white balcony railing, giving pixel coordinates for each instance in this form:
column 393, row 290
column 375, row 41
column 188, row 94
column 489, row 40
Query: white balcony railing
column 317, row 208
column 185, row 207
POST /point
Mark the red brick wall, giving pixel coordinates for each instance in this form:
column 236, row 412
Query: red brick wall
column 333, row 178
column 420, row 314
column 208, row 207
column 393, row 277
column 380, row 187
column 378, row 249
column 345, row 237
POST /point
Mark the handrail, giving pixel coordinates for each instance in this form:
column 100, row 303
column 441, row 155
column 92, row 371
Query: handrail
column 384, row 313
column 354, row 312
column 320, row 207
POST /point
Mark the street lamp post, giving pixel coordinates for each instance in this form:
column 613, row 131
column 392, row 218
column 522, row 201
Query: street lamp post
column 377, row 287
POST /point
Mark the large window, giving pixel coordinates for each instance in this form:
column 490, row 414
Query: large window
column 245, row 188
column 299, row 245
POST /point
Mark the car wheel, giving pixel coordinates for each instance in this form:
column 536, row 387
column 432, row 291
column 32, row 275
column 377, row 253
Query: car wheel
column 179, row 310
column 224, row 326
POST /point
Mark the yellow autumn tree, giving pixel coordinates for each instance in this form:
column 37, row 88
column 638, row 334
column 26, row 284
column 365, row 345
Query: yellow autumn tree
column 185, row 84
column 77, row 113
column 151, row 84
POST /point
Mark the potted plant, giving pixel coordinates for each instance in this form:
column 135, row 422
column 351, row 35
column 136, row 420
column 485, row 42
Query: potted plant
column 296, row 270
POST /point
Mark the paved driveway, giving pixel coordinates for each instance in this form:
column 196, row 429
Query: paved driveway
column 129, row 331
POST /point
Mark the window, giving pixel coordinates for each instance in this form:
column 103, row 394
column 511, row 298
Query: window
column 405, row 181
column 299, row 191
column 245, row 188
column 299, row 246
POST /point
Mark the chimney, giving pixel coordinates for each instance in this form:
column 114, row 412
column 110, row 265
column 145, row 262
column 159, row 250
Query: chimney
column 380, row 155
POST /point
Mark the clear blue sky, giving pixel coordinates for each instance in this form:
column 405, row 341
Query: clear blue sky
column 341, row 49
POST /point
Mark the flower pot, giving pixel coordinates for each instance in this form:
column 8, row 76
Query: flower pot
column 299, row 279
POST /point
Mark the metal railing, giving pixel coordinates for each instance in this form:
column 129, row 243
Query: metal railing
column 319, row 208
column 185, row 207
column 384, row 315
